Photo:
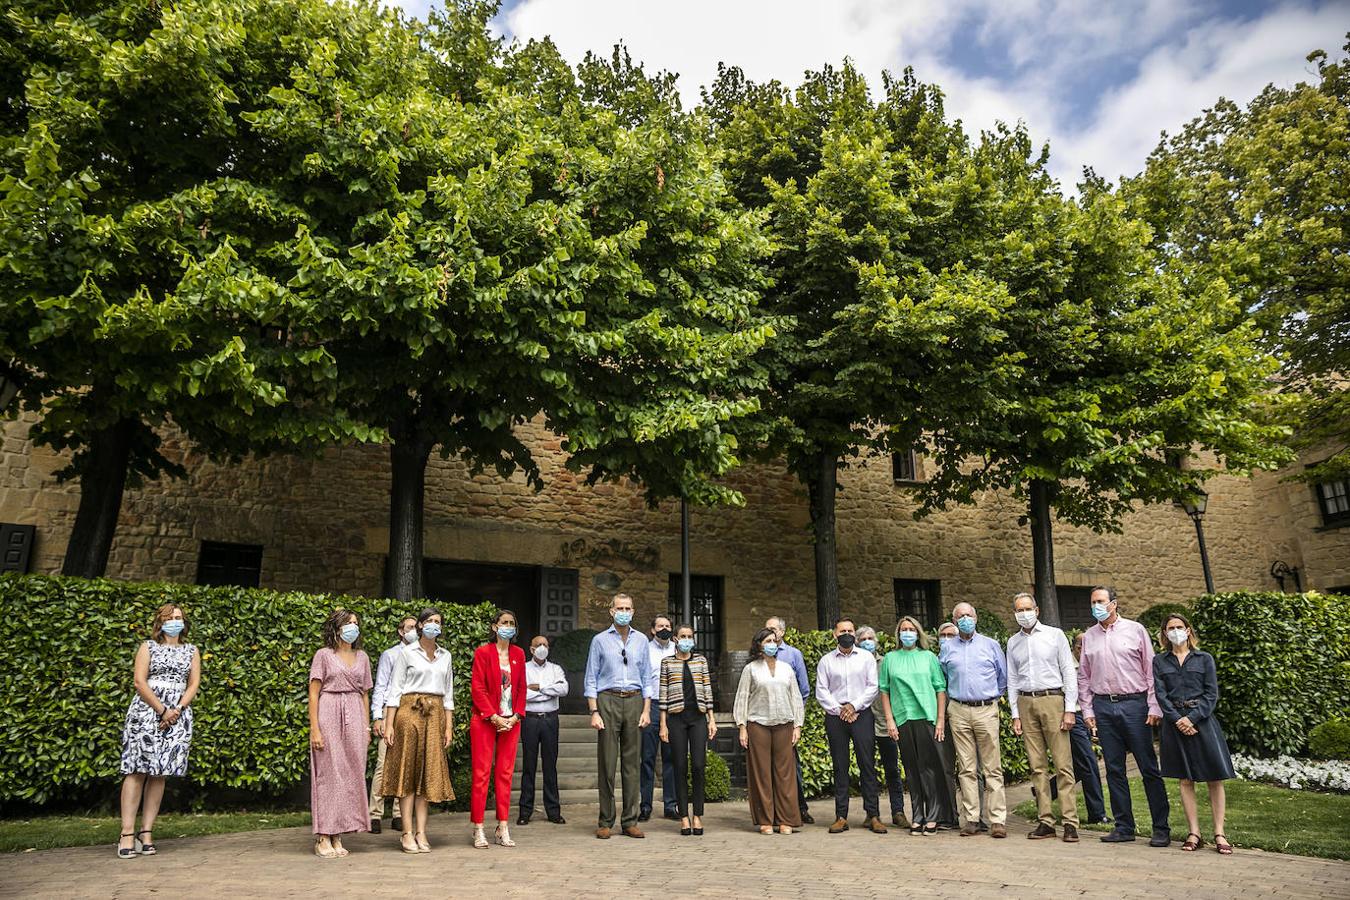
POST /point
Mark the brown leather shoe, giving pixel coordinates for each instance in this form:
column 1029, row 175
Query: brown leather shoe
column 1070, row 834
column 602, row 833
column 969, row 830
column 899, row 820
column 874, row 825
column 839, row 825
column 998, row 830
column 1041, row 832
column 634, row 832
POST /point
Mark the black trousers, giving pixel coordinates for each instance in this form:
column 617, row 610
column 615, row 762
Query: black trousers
column 688, row 731
column 930, row 797
column 539, row 733
column 889, row 752
column 861, row 731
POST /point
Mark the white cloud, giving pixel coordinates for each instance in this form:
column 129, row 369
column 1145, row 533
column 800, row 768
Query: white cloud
column 1187, row 55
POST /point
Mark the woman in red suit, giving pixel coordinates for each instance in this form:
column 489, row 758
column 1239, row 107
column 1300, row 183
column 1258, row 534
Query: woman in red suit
column 497, row 689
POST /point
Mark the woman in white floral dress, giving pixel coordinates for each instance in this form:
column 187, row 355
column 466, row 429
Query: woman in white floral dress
column 158, row 728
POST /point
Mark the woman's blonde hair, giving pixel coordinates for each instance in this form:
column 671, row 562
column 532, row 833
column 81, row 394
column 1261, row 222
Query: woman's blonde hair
column 1190, row 632
column 161, row 616
column 923, row 635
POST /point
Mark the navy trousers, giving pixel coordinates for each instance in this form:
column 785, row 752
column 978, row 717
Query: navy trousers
column 651, row 745
column 1122, row 727
column 1085, row 771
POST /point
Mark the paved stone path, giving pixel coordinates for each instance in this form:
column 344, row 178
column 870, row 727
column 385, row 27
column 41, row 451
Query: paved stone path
column 731, row 860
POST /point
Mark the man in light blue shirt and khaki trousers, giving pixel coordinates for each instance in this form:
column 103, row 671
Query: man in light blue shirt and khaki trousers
column 618, row 685
column 977, row 677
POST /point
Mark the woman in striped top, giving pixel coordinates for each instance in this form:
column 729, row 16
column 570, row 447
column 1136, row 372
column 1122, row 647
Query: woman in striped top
column 687, row 722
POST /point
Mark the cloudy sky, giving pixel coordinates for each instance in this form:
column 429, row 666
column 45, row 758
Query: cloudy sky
column 1099, row 80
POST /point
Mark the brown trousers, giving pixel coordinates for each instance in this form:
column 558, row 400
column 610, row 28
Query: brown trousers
column 771, row 775
column 1041, row 718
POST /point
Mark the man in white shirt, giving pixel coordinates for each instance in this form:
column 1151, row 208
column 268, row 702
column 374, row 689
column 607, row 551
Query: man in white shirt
column 383, row 672
column 658, row 648
column 1043, row 697
column 545, row 683
column 846, row 685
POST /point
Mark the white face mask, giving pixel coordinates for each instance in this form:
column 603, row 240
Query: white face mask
column 1177, row 636
column 1026, row 618
column 541, row 652
column 410, row 636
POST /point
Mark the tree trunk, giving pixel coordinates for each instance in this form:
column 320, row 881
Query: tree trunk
column 822, row 493
column 1043, row 550
column 408, row 464
column 102, row 481
column 9, row 389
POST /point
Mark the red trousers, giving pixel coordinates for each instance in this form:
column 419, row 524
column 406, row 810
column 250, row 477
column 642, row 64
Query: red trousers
column 492, row 753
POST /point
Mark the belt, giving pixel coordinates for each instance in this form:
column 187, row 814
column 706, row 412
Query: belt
column 976, row 702
column 542, row 715
column 619, row 693
column 1049, row 692
column 1119, row 698
column 1190, row 704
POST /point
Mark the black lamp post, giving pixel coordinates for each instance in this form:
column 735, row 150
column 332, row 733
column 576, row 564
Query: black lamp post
column 686, row 601
column 1194, row 506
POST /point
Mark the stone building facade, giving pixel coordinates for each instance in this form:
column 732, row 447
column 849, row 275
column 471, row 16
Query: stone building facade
column 321, row 524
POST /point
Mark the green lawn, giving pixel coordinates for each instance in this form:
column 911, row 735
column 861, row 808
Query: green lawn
column 46, row 832
column 1260, row 816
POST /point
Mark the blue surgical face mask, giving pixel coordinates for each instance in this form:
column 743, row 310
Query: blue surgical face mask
column 909, row 638
column 350, row 632
column 623, row 617
column 1099, row 612
column 173, row 627
column 770, row 648
column 431, row 630
column 966, row 624
column 868, row 644
column 506, row 632
column 686, row 645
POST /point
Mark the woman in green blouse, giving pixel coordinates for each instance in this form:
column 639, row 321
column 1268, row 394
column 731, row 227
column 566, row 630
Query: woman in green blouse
column 914, row 700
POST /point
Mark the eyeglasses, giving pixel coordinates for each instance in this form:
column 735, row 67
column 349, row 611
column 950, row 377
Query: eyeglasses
column 624, row 651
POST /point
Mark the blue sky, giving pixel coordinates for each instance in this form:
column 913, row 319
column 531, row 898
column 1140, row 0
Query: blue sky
column 1099, row 80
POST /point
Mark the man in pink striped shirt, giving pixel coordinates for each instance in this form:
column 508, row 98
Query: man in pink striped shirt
column 1115, row 692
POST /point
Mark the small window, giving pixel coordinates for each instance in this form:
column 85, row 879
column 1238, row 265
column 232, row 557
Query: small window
column 705, row 598
column 920, row 599
column 16, row 547
column 236, row 564
column 1334, row 499
column 1075, row 605
column 905, row 467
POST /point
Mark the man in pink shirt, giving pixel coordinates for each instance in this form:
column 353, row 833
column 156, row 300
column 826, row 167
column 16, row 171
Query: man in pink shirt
column 1115, row 692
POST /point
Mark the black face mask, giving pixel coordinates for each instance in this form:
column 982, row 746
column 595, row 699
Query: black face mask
column 664, row 634
column 846, row 640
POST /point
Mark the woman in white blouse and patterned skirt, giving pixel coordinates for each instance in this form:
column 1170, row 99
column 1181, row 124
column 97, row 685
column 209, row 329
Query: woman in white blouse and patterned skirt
column 769, row 714
column 419, row 718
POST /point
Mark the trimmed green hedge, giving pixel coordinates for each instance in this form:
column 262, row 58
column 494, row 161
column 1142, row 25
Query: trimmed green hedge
column 716, row 779
column 68, row 645
column 818, row 771
column 1330, row 740
column 1283, row 663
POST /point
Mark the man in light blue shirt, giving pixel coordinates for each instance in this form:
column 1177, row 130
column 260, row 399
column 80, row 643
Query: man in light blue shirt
column 618, row 684
column 383, row 672
column 793, row 657
column 977, row 677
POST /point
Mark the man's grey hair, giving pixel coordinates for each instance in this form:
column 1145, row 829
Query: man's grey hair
column 781, row 622
column 1022, row 594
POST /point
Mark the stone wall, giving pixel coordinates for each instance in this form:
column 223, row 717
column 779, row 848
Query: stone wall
column 323, row 524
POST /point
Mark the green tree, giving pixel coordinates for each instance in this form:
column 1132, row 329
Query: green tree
column 489, row 245
column 866, row 203
column 136, row 288
column 1256, row 198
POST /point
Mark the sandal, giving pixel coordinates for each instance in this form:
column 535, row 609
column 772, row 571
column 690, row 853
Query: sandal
column 503, row 835
column 340, row 850
column 916, row 828
column 422, row 845
column 1223, row 847
column 930, row 829
column 146, row 849
column 766, row 829
column 409, row 843
column 480, row 840
column 1190, row 846
column 127, row 852
column 783, row 829
column 322, row 853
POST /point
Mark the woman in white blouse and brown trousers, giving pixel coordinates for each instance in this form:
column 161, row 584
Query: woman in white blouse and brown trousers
column 769, row 714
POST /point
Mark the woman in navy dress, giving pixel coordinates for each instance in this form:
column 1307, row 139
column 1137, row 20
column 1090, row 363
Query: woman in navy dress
column 1193, row 746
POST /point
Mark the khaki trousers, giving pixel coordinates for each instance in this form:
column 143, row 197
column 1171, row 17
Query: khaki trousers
column 377, row 799
column 619, row 744
column 974, row 731
column 1041, row 718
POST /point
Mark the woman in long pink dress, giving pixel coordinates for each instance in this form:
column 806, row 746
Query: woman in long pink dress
column 339, row 734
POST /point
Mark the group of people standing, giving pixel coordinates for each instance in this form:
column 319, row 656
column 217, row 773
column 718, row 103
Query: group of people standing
column 932, row 714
